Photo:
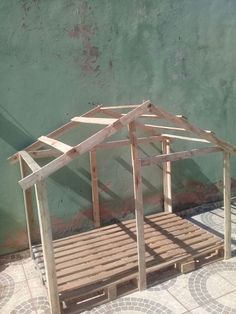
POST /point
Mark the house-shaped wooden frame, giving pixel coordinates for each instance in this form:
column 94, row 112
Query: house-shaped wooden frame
column 138, row 261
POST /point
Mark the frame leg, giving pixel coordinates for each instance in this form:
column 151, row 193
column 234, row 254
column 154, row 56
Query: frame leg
column 95, row 193
column 47, row 245
column 28, row 204
column 167, row 179
column 227, row 206
column 139, row 214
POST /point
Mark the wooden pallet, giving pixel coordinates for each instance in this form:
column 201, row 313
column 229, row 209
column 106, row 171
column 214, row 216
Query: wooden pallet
column 98, row 265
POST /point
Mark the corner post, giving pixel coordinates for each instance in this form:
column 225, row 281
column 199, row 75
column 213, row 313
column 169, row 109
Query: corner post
column 28, row 204
column 139, row 213
column 47, row 245
column 167, row 178
column 95, row 192
column 227, row 206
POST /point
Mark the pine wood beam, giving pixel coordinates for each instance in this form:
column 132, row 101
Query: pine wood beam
column 139, row 214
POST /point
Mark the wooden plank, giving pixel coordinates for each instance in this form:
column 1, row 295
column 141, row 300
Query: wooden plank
column 140, row 140
column 96, row 233
column 28, row 205
column 31, row 163
column 112, row 292
column 62, row 147
column 167, row 178
column 44, row 153
column 119, row 107
column 186, row 138
column 179, row 155
column 46, row 237
column 182, row 122
column 123, row 252
column 227, row 206
column 58, row 132
column 95, row 191
column 104, row 121
column 139, row 214
column 83, row 147
column 125, row 247
column 163, row 127
column 164, row 253
column 79, row 250
column 103, row 238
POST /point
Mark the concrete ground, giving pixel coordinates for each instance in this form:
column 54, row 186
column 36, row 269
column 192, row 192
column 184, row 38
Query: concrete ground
column 211, row 289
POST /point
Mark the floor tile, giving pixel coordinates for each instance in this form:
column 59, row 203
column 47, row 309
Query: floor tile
column 21, row 294
column 15, row 271
column 180, row 290
column 229, row 300
column 164, row 298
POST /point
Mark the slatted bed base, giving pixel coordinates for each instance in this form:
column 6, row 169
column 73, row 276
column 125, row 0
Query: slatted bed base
column 99, row 265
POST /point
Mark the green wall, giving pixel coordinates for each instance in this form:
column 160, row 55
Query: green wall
column 61, row 58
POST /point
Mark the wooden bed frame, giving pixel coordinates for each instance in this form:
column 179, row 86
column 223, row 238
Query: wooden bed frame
column 141, row 230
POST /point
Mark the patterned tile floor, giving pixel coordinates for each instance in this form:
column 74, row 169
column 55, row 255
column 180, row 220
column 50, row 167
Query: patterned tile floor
column 211, row 289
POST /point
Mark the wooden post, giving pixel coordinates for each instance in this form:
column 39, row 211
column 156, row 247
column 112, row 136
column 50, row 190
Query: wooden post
column 227, row 206
column 95, row 192
column 139, row 214
column 47, row 245
column 167, row 178
column 28, row 204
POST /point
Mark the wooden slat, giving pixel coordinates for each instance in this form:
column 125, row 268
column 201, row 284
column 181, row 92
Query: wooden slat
column 58, row 132
column 164, row 253
column 139, row 214
column 119, row 107
column 140, row 140
column 95, row 192
column 163, row 247
column 88, row 264
column 46, row 237
column 163, row 127
column 82, row 247
column 182, row 122
column 44, row 153
column 62, row 147
column 186, row 138
column 95, row 233
column 111, row 231
column 104, row 121
column 167, row 192
column 124, row 251
column 227, row 206
column 31, row 163
column 179, row 155
column 123, row 246
column 83, row 147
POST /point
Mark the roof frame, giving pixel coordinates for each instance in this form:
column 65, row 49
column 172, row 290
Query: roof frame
column 65, row 153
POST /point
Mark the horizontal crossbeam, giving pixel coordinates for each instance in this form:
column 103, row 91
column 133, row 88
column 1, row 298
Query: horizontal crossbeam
column 179, row 155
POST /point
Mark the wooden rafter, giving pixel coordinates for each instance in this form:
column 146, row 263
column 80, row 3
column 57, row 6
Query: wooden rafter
column 182, row 122
column 84, row 147
column 55, row 134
